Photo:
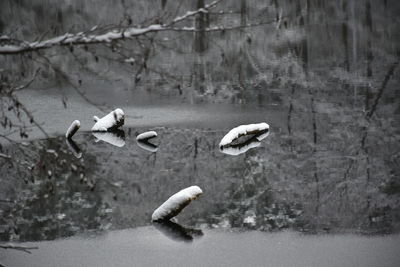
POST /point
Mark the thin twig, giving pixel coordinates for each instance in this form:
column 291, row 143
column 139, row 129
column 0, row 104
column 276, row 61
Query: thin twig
column 20, row 248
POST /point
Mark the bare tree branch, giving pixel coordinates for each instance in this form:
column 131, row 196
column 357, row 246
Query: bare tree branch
column 19, row 88
column 117, row 33
column 20, row 248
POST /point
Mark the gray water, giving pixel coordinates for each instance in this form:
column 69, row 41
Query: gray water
column 146, row 246
column 321, row 190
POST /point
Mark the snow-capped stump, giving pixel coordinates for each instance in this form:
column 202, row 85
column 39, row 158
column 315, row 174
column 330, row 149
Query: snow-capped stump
column 115, row 138
column 243, row 130
column 73, row 128
column 110, row 122
column 74, row 148
column 146, row 136
column 240, row 148
column 176, row 203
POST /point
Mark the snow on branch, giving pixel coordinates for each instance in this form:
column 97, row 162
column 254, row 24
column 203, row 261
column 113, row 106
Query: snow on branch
column 90, row 37
column 193, row 13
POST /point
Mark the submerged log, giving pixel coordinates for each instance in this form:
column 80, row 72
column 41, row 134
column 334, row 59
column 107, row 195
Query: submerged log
column 176, row 203
column 110, row 122
column 259, row 129
column 146, row 136
column 73, row 128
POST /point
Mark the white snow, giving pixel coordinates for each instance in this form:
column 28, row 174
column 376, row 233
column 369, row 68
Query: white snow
column 242, row 130
column 146, row 135
column 250, row 218
column 112, row 120
column 73, row 128
column 110, row 137
column 176, row 203
column 129, row 60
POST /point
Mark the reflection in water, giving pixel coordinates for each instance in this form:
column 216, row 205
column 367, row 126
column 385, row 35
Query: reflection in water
column 243, row 145
column 332, row 166
column 263, row 189
column 143, row 141
column 115, row 137
column 74, row 148
column 177, row 232
column 146, row 145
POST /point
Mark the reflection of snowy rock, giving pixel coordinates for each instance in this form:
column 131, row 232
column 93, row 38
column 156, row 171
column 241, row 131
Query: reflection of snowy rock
column 116, row 137
column 176, row 231
column 143, row 141
column 147, row 145
column 240, row 148
column 74, row 148
column 75, row 125
column 176, row 203
column 111, row 121
column 243, row 130
column 235, row 150
column 146, row 136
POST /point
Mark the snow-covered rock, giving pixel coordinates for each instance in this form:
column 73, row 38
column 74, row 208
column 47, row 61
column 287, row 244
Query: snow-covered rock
column 116, row 138
column 146, row 135
column 242, row 130
column 73, row 128
column 176, row 203
column 111, row 121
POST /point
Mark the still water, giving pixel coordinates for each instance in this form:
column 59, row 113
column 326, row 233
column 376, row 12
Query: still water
column 147, row 246
column 322, row 189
